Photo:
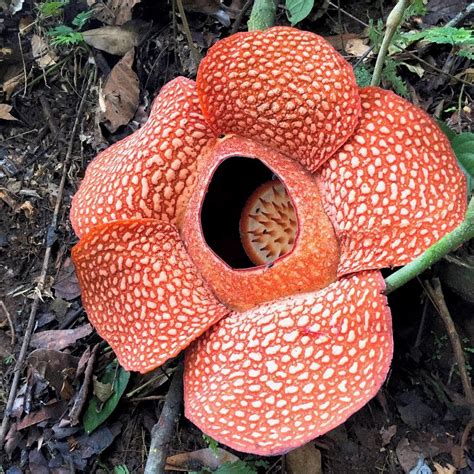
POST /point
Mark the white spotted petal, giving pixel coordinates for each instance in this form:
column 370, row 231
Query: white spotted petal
column 141, row 291
column 150, row 173
column 259, row 384
column 394, row 188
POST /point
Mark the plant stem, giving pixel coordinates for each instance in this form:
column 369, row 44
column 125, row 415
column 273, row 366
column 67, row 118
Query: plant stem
column 437, row 251
column 393, row 22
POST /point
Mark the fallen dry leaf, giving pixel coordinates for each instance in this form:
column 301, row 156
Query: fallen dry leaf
column 113, row 12
column 53, row 410
column 119, row 97
column 304, row 460
column 356, row 46
column 339, row 41
column 387, row 434
column 408, row 454
column 116, row 40
column 42, row 54
column 67, row 284
column 459, row 457
column 57, row 339
column 5, row 345
column 449, row 469
column 197, row 460
column 5, row 112
column 53, row 366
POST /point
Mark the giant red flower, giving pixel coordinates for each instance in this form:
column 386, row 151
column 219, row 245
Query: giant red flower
column 324, row 182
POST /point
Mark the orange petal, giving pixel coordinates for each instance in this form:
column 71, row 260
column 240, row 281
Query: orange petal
column 269, row 380
column 286, row 88
column 310, row 265
column 151, row 172
column 394, row 188
column 141, row 291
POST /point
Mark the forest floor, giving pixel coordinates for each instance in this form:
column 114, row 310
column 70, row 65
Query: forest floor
column 65, row 97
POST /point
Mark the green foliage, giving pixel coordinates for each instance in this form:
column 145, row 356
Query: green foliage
column 442, row 35
column 82, row 18
column 52, row 8
column 298, row 10
column 262, row 15
column 211, row 442
column 363, row 76
column 97, row 412
column 463, row 147
column 121, row 469
column 416, row 8
column 462, row 38
column 467, row 52
column 376, row 33
column 390, row 75
column 63, row 35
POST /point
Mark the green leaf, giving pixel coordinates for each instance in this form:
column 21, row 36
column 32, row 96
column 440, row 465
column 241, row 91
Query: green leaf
column 363, row 76
column 262, row 15
column 463, row 147
column 442, row 35
column 298, row 10
column 449, row 132
column 121, row 469
column 211, row 442
column 390, row 74
column 96, row 412
column 82, row 18
column 52, row 8
column 237, row 467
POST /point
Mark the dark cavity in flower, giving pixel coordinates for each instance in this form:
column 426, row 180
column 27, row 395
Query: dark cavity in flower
column 247, row 217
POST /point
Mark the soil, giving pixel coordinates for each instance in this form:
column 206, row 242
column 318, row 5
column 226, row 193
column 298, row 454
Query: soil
column 419, row 418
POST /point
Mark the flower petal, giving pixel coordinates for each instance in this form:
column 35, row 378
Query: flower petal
column 394, row 188
column 273, row 378
column 284, row 87
column 151, row 172
column 141, row 291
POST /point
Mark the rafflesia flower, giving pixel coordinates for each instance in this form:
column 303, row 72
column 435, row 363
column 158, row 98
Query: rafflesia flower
column 256, row 206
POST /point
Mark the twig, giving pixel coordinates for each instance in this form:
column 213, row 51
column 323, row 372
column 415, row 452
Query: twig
column 163, row 429
column 187, row 32
column 10, row 321
column 435, row 292
column 240, row 16
column 44, row 269
column 49, row 116
column 393, row 22
column 461, row 16
column 147, row 399
column 450, row 242
column 81, row 396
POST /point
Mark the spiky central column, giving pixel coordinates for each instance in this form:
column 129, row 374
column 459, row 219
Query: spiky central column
column 268, row 224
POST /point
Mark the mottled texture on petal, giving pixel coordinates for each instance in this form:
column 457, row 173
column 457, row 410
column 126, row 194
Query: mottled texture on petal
column 285, row 88
column 310, row 265
column 141, row 291
column 151, row 172
column 394, row 188
column 273, row 378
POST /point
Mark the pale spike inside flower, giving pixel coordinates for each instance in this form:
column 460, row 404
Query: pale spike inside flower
column 268, row 225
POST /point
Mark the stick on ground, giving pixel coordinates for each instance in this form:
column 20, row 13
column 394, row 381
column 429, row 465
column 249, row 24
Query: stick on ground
column 44, row 269
column 162, row 432
column 435, row 292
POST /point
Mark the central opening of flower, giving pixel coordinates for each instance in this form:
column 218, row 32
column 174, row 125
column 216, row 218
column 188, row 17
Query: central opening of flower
column 247, row 217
